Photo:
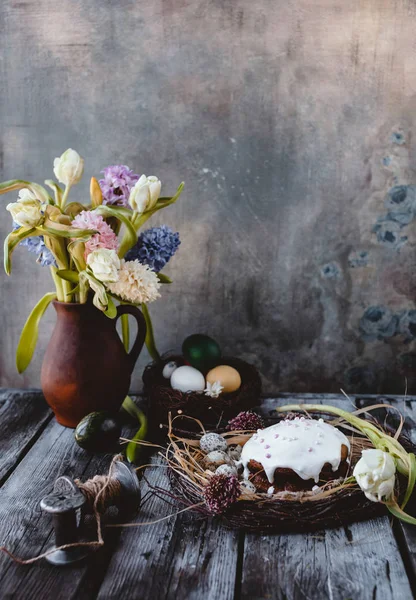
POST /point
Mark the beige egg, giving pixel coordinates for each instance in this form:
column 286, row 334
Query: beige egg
column 228, row 377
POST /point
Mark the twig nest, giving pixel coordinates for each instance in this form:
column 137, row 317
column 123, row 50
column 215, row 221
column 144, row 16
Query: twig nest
column 247, row 487
column 216, row 458
column 227, row 470
column 212, row 441
column 234, row 452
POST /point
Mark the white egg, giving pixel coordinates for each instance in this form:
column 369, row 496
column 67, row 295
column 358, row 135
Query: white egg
column 169, row 368
column 187, row 379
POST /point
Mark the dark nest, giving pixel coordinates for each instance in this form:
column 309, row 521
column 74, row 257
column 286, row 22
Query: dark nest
column 336, row 503
column 210, row 411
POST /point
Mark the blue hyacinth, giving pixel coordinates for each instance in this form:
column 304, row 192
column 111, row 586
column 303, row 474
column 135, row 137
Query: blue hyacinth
column 155, row 247
column 36, row 245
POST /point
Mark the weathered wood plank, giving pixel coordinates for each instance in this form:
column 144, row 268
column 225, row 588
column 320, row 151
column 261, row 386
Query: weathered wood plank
column 180, row 557
column 326, row 564
column 323, row 565
column 27, row 532
column 23, row 416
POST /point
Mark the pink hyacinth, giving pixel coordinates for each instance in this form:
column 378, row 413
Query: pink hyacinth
column 105, row 238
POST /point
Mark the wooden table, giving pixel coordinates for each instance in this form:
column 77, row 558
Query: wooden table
column 183, row 557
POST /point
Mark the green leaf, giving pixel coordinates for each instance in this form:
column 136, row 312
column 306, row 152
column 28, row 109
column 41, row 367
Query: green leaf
column 12, row 240
column 65, row 231
column 130, row 235
column 133, row 449
column 150, row 338
column 56, row 190
column 411, row 481
column 19, row 184
column 68, row 275
column 74, row 208
column 29, row 335
column 161, row 203
column 111, row 311
column 163, row 278
column 395, row 510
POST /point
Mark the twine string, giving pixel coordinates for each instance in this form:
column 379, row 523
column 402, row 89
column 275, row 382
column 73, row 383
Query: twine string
column 99, row 491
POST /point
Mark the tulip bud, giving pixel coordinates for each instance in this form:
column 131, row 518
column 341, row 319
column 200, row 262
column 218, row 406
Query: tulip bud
column 26, row 213
column 69, row 167
column 104, row 265
column 95, row 193
column 374, row 473
column 145, row 193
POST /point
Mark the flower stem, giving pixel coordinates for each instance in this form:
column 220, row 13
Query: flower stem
column 58, row 284
column 125, row 331
column 65, row 196
column 150, row 338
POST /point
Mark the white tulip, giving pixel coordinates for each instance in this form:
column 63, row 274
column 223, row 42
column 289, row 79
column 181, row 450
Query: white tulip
column 375, row 474
column 26, row 213
column 104, row 265
column 145, row 193
column 69, row 167
column 26, row 194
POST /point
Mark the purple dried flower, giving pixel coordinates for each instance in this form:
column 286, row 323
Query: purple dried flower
column 245, row 421
column 155, row 247
column 116, row 184
column 221, row 492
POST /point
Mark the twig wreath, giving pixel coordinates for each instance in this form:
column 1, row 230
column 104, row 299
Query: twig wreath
column 373, row 482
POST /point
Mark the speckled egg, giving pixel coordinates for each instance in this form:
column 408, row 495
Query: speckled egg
column 187, row 379
column 235, row 452
column 169, row 368
column 228, row 377
column 215, row 459
column 247, row 487
column 227, row 470
column 212, row 441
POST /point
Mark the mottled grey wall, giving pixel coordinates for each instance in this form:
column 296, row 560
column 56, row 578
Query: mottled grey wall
column 289, row 121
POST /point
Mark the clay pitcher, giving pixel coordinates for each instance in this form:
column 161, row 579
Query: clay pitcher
column 86, row 367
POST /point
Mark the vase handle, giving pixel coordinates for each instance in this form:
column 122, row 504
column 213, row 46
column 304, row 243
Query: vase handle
column 128, row 309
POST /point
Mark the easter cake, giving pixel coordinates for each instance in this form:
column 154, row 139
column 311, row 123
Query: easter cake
column 294, row 455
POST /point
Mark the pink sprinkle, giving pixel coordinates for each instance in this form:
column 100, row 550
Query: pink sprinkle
column 262, row 440
column 268, row 455
column 255, row 436
column 266, row 447
column 310, row 449
column 276, row 435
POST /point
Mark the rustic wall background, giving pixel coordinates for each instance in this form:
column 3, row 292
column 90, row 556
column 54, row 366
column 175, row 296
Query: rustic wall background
column 292, row 124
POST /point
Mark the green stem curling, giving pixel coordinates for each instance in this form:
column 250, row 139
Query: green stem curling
column 405, row 462
column 150, row 337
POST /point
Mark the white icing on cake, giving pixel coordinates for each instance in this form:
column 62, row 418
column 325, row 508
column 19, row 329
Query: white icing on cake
column 303, row 445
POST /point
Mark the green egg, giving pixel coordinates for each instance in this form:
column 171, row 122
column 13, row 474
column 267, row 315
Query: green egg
column 201, row 351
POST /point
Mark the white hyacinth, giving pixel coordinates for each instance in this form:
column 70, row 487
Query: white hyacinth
column 136, row 283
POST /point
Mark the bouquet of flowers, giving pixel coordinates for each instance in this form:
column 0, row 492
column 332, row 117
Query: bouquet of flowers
column 92, row 248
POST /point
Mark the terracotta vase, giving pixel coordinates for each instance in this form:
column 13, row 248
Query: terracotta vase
column 86, row 367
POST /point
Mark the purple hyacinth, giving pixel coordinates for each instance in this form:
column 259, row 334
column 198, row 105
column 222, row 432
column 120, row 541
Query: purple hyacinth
column 116, row 184
column 155, row 247
column 36, row 245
